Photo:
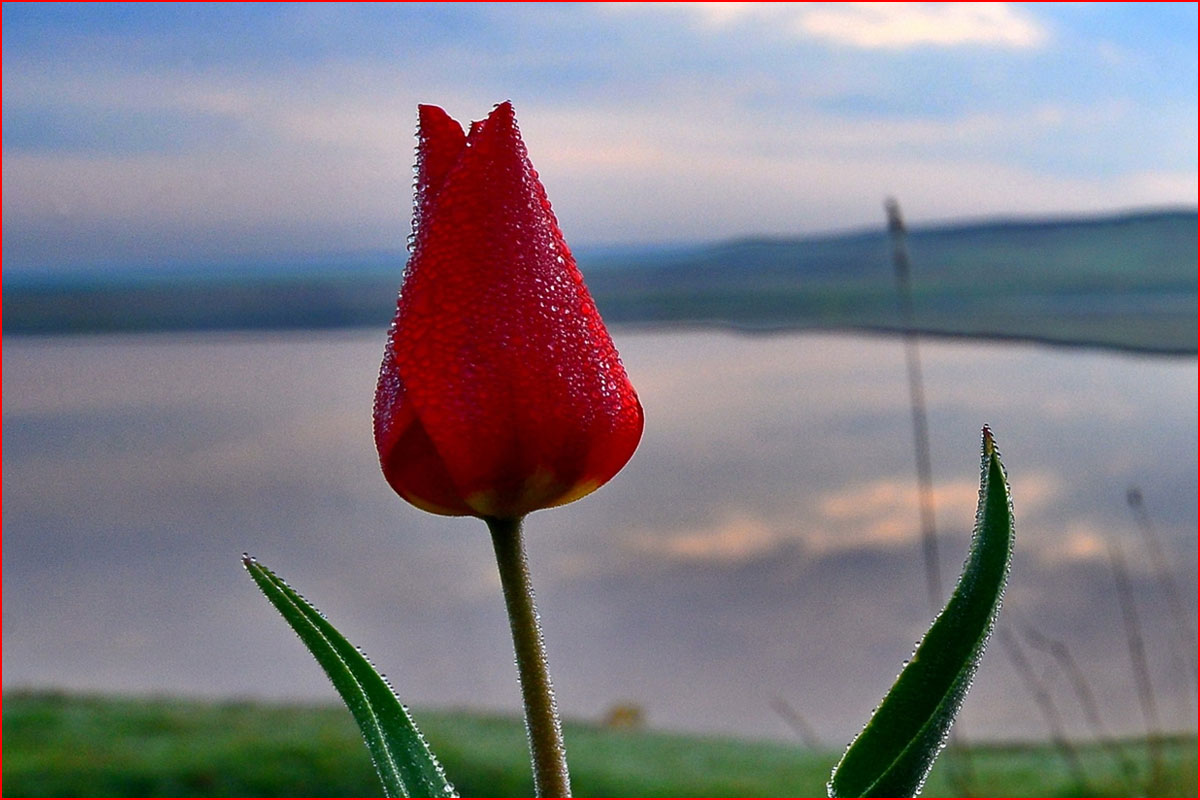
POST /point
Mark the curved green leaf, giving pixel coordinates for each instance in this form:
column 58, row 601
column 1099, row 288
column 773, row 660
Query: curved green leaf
column 895, row 751
column 402, row 758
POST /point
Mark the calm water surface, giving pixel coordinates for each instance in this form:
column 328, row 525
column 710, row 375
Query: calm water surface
column 761, row 545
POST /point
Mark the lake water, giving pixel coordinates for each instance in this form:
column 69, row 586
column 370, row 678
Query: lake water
column 761, row 545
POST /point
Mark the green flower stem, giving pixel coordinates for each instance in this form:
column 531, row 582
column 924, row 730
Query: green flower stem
column 546, row 750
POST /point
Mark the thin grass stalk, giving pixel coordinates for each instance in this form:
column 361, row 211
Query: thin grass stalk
column 1141, row 670
column 1185, row 633
column 916, row 392
column 1061, row 654
column 1045, row 703
column 796, row 721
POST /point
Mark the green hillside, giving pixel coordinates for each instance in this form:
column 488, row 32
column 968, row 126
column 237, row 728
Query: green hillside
column 1127, row 282
column 64, row 745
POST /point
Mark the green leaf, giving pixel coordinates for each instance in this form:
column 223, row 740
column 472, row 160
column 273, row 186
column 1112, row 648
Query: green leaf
column 895, row 751
column 403, row 760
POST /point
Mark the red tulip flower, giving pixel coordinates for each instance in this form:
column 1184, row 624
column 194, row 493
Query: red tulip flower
column 501, row 391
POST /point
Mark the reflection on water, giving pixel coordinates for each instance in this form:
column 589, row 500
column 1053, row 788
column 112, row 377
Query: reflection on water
column 762, row 543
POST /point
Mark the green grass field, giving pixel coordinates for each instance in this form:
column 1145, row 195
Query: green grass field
column 71, row 745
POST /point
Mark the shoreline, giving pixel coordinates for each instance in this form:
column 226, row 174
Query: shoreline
column 764, row 329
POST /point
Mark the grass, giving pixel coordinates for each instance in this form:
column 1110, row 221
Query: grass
column 72, row 745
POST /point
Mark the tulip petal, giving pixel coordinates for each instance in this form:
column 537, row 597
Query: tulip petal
column 515, row 379
column 410, row 462
column 505, row 364
column 417, row 473
column 440, row 145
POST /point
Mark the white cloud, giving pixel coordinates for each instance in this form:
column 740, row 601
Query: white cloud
column 729, row 178
column 884, row 25
column 316, row 172
column 904, row 25
column 322, row 161
column 1149, row 185
column 720, row 15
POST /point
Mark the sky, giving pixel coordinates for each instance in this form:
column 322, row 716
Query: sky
column 170, row 134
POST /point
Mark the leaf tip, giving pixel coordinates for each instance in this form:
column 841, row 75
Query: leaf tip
column 989, row 443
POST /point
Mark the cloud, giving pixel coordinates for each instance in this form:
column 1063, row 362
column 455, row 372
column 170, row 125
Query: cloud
column 736, row 539
column 891, row 496
column 878, row 514
column 884, row 511
column 905, row 25
column 1079, row 541
column 759, row 172
column 712, row 121
column 885, row 26
column 337, row 178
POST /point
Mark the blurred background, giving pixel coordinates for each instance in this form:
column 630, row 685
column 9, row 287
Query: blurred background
column 205, row 218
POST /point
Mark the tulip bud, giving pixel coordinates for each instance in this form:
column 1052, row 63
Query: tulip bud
column 500, row 391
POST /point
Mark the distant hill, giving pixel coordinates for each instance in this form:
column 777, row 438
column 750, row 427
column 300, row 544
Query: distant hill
column 1126, row 281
